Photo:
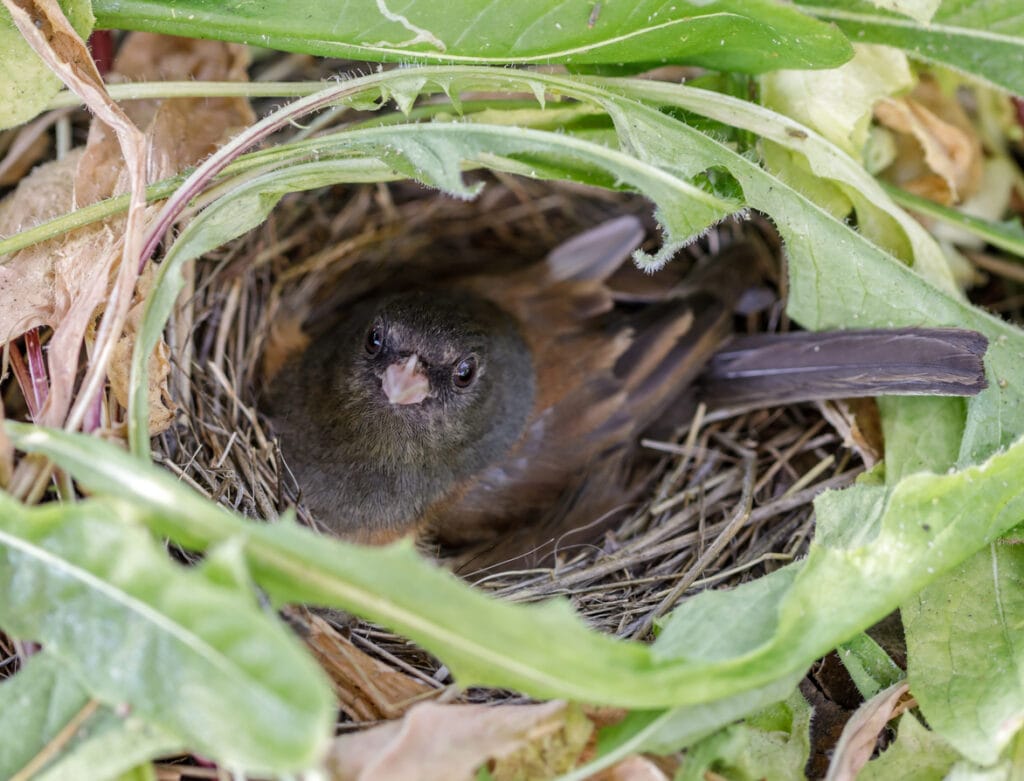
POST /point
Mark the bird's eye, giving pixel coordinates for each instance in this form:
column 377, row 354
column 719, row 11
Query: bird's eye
column 465, row 372
column 375, row 338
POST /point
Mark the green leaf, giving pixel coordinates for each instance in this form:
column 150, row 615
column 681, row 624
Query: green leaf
column 141, row 773
column 35, row 705
column 916, row 755
column 745, row 35
column 965, row 644
column 968, row 771
column 793, row 170
column 42, row 700
column 197, row 661
column 1007, row 235
column 751, row 614
column 773, row 744
column 869, row 665
column 922, row 434
column 840, row 280
column 838, row 102
column 919, row 10
column 26, row 83
column 799, row 218
column 667, row 731
column 144, row 772
column 927, row 524
column 983, row 39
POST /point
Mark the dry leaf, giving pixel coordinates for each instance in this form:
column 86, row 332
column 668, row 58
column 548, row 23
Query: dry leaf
column 24, row 147
column 857, row 421
column 63, row 282
column 48, row 32
column 449, row 742
column 182, row 131
column 857, row 743
column 546, row 752
column 367, row 689
column 939, row 154
column 26, row 279
column 161, row 406
column 60, row 282
column 635, row 768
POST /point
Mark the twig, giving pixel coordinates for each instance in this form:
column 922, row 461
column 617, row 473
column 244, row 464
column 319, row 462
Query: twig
column 50, row 750
column 740, row 517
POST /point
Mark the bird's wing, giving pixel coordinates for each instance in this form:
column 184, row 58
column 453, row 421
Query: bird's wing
column 604, row 375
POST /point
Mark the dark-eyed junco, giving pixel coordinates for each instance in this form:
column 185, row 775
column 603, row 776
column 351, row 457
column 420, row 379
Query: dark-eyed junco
column 494, row 413
column 407, row 398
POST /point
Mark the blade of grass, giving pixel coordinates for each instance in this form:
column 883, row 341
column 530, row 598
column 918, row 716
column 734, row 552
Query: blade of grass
column 1007, row 236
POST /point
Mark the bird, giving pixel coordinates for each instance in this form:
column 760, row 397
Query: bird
column 494, row 417
column 413, row 394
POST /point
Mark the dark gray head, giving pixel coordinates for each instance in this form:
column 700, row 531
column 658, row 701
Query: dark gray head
column 435, row 379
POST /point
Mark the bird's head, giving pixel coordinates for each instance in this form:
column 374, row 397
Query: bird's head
column 449, row 370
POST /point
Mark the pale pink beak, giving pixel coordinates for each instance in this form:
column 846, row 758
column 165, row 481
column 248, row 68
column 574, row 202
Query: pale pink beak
column 405, row 382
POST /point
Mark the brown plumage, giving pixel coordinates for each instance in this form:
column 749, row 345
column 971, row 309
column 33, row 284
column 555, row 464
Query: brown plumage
column 387, row 437
column 605, row 374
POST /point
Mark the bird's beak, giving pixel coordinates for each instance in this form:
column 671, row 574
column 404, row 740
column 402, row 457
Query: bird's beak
column 405, row 382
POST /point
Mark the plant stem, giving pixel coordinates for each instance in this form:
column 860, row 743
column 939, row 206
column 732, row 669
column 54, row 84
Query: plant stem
column 148, row 90
column 1006, row 236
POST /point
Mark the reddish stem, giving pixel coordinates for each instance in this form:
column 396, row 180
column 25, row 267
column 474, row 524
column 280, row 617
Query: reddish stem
column 1018, row 105
column 37, row 367
column 94, row 416
column 101, row 46
column 24, row 379
column 220, row 159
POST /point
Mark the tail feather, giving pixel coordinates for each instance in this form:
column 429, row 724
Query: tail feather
column 772, row 369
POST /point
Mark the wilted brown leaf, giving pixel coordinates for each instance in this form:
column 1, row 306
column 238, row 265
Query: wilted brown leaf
column 939, row 154
column 161, row 407
column 43, row 25
column 367, row 689
column 27, row 278
column 857, row 743
column 635, row 768
column 24, row 147
column 182, row 131
column 62, row 283
column 51, row 284
column 857, row 421
column 546, row 752
column 449, row 742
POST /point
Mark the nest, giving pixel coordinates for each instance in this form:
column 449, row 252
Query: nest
column 731, row 497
